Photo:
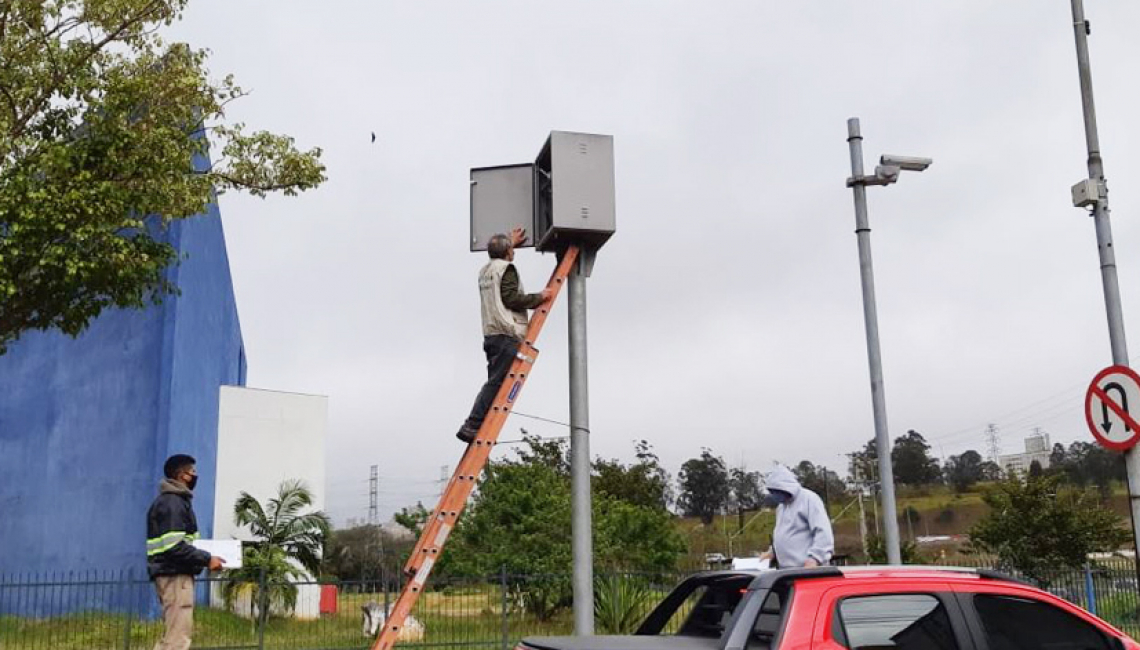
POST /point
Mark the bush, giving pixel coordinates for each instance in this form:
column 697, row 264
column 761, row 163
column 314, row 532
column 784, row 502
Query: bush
column 877, row 549
column 620, row 603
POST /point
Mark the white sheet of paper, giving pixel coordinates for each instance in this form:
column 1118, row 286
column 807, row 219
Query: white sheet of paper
column 227, row 549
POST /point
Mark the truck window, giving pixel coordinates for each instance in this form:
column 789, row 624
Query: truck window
column 677, row 620
column 1013, row 623
column 769, row 621
column 697, row 607
column 711, row 612
column 902, row 621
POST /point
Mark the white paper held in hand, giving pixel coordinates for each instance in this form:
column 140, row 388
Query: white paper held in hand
column 227, row 549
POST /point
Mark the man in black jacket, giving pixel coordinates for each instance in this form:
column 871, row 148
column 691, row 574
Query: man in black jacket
column 171, row 559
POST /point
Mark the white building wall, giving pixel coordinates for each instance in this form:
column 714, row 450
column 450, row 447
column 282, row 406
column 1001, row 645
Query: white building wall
column 266, row 437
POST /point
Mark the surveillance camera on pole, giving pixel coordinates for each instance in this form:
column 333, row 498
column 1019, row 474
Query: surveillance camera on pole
column 886, row 173
column 908, row 163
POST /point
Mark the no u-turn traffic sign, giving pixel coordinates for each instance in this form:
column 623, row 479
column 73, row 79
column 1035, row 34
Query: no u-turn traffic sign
column 1112, row 407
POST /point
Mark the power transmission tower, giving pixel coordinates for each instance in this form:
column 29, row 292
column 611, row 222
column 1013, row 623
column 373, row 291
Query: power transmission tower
column 993, row 443
column 373, row 503
column 444, row 475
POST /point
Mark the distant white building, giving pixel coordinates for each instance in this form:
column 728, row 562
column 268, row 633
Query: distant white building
column 1037, row 448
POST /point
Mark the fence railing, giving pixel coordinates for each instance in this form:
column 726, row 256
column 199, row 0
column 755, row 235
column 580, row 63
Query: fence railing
column 120, row 611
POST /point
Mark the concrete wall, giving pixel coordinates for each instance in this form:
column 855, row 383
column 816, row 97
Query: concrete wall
column 264, row 438
column 85, row 423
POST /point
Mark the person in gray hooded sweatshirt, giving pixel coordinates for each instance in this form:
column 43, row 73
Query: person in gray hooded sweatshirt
column 803, row 536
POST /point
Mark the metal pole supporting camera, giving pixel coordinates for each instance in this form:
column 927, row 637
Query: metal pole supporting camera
column 1093, row 192
column 582, row 522
column 885, row 174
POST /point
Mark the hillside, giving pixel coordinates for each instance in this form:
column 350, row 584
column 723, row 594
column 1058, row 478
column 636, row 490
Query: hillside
column 934, row 511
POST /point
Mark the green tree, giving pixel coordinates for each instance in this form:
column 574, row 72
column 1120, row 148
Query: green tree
column 1034, row 526
column 519, row 520
column 819, row 479
column 102, row 124
column 288, row 542
column 911, row 461
column 412, row 519
column 745, row 490
column 363, row 553
column 964, row 470
column 643, row 483
column 704, row 489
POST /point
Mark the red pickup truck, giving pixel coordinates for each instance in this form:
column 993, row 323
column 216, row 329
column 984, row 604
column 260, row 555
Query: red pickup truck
column 857, row 608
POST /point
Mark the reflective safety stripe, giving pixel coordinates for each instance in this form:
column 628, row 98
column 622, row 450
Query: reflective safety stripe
column 168, row 541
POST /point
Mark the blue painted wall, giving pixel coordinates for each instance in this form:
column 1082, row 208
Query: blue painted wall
column 86, row 423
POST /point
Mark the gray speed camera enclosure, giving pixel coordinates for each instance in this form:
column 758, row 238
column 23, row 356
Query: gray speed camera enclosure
column 574, row 188
column 502, row 199
column 565, row 197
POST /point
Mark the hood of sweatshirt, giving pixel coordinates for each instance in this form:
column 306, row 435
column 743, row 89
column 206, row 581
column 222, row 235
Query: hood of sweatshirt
column 781, row 478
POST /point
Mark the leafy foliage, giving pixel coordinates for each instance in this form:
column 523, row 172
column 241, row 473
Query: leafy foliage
column 363, row 553
column 1035, row 525
column 877, row 551
column 620, row 603
column 1085, row 463
column 745, row 490
column 911, row 461
column 643, row 483
column 413, row 519
column 288, row 545
column 704, row 488
column 520, row 521
column 819, row 479
column 102, row 123
column 964, row 470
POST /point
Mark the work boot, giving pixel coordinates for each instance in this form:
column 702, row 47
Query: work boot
column 467, row 433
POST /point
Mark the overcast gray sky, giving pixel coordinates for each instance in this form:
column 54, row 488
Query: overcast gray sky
column 726, row 311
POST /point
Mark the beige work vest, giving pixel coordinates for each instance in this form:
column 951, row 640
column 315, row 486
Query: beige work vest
column 497, row 319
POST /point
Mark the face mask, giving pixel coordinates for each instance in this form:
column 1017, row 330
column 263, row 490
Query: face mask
column 192, row 482
column 773, row 499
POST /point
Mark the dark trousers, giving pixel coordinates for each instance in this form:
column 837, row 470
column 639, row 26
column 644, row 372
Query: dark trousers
column 500, row 350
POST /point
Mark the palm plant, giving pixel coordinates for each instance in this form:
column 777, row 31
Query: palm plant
column 288, row 547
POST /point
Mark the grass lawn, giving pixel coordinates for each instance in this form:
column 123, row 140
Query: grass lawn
column 470, row 617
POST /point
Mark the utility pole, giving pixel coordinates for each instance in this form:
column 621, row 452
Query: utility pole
column 581, row 524
column 885, row 174
column 1095, row 190
column 855, row 477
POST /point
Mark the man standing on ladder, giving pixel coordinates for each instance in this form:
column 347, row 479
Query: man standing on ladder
column 503, row 308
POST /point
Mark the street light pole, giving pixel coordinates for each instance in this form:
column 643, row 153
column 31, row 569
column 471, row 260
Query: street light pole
column 874, row 356
column 1100, row 215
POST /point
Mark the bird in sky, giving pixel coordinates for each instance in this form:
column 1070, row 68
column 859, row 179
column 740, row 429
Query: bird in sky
column 373, row 136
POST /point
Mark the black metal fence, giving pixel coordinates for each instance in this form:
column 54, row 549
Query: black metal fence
column 120, row 611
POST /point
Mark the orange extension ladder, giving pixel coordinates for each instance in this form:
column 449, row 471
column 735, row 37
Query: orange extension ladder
column 446, row 513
